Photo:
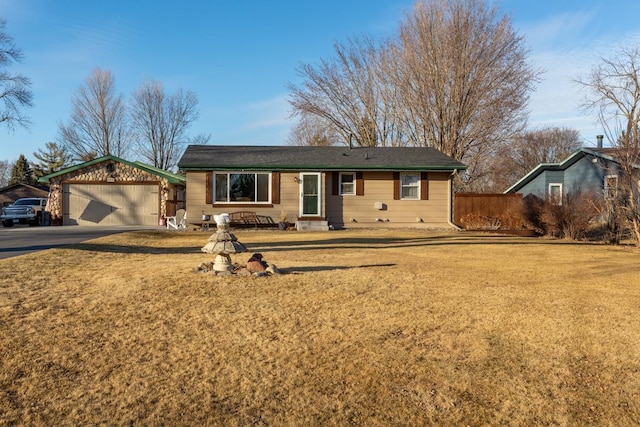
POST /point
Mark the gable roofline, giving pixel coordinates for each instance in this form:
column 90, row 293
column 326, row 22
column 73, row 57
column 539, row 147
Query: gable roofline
column 17, row 184
column 170, row 177
column 562, row 165
column 326, row 159
column 173, row 178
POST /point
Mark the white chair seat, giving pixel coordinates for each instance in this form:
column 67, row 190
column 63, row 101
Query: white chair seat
column 177, row 222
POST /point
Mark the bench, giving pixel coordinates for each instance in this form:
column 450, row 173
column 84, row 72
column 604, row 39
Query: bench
column 245, row 219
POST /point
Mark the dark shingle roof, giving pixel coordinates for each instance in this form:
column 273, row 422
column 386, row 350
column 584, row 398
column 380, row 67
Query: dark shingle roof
column 233, row 157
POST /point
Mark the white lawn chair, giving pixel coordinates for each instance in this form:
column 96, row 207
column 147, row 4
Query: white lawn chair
column 177, row 222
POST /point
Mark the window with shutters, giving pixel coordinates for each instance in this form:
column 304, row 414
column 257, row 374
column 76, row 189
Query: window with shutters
column 232, row 187
column 348, row 184
column 409, row 186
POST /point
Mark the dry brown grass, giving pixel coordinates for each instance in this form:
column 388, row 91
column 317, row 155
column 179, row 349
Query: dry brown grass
column 373, row 328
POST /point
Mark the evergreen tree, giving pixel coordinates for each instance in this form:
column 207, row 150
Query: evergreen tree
column 53, row 158
column 22, row 172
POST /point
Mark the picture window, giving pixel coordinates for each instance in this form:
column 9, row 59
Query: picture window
column 241, row 187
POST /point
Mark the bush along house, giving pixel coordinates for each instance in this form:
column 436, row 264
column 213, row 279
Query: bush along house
column 318, row 188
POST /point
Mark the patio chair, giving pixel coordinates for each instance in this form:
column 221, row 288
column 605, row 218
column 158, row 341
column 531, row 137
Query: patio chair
column 177, row 222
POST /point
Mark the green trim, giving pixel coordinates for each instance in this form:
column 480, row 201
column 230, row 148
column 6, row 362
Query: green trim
column 173, row 178
column 170, row 177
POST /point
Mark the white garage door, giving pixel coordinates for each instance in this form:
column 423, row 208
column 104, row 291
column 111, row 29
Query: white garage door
column 110, row 204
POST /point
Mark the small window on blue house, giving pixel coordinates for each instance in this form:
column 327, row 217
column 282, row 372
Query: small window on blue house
column 611, row 186
column 555, row 193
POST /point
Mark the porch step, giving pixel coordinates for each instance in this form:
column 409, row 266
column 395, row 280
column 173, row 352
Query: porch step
column 312, row 225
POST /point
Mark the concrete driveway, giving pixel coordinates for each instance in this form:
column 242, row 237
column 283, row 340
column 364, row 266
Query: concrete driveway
column 22, row 239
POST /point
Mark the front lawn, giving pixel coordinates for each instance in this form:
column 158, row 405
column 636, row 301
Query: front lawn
column 372, row 328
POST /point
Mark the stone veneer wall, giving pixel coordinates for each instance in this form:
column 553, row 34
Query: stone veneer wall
column 98, row 173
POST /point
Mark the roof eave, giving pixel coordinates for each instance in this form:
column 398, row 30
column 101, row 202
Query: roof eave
column 322, row 168
column 170, row 177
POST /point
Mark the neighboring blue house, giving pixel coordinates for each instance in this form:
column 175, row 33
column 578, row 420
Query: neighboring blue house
column 588, row 169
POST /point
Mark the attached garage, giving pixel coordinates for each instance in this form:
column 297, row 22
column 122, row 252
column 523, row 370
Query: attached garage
column 113, row 191
column 111, row 204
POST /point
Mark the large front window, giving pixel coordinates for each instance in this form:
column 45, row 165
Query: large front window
column 241, row 187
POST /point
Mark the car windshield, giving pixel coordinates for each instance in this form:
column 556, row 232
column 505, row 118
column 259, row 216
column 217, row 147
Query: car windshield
column 26, row 202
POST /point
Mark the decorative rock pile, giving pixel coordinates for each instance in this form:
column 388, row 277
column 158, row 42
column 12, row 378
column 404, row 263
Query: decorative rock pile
column 223, row 243
column 258, row 267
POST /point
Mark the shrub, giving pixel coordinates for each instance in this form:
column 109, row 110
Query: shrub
column 532, row 209
column 571, row 220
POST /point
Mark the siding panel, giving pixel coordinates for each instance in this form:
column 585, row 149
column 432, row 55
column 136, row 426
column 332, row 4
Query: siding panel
column 339, row 210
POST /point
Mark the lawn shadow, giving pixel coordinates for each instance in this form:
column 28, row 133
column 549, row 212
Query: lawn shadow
column 405, row 242
column 315, row 268
column 135, row 249
column 322, row 242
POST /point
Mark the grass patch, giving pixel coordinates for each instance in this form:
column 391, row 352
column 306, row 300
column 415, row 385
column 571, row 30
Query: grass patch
column 401, row 327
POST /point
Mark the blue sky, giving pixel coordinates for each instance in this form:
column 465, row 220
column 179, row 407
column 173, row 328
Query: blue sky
column 238, row 56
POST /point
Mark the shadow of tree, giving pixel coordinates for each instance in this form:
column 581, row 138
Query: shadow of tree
column 332, row 243
column 405, row 242
column 294, row 270
column 136, row 249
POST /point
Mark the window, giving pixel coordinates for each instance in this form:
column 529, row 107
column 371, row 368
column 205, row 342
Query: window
column 410, row 186
column 241, row 187
column 555, row 194
column 610, row 186
column 347, row 183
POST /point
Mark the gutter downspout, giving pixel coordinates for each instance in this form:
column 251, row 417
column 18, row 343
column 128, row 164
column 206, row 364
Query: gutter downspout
column 450, row 207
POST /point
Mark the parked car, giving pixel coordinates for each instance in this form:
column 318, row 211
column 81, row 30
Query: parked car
column 24, row 211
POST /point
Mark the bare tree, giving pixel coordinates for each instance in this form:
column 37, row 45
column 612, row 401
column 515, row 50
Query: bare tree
column 98, row 124
column 161, row 122
column 517, row 156
column 613, row 93
column 455, row 77
column 463, row 74
column 345, row 92
column 15, row 91
column 200, row 139
column 312, row 130
column 5, row 171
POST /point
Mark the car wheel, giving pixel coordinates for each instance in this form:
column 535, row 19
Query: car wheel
column 7, row 223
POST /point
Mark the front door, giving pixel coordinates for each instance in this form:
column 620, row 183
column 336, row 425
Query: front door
column 310, row 200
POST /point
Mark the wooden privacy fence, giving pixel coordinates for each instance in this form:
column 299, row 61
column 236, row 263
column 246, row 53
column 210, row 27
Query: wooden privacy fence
column 488, row 211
